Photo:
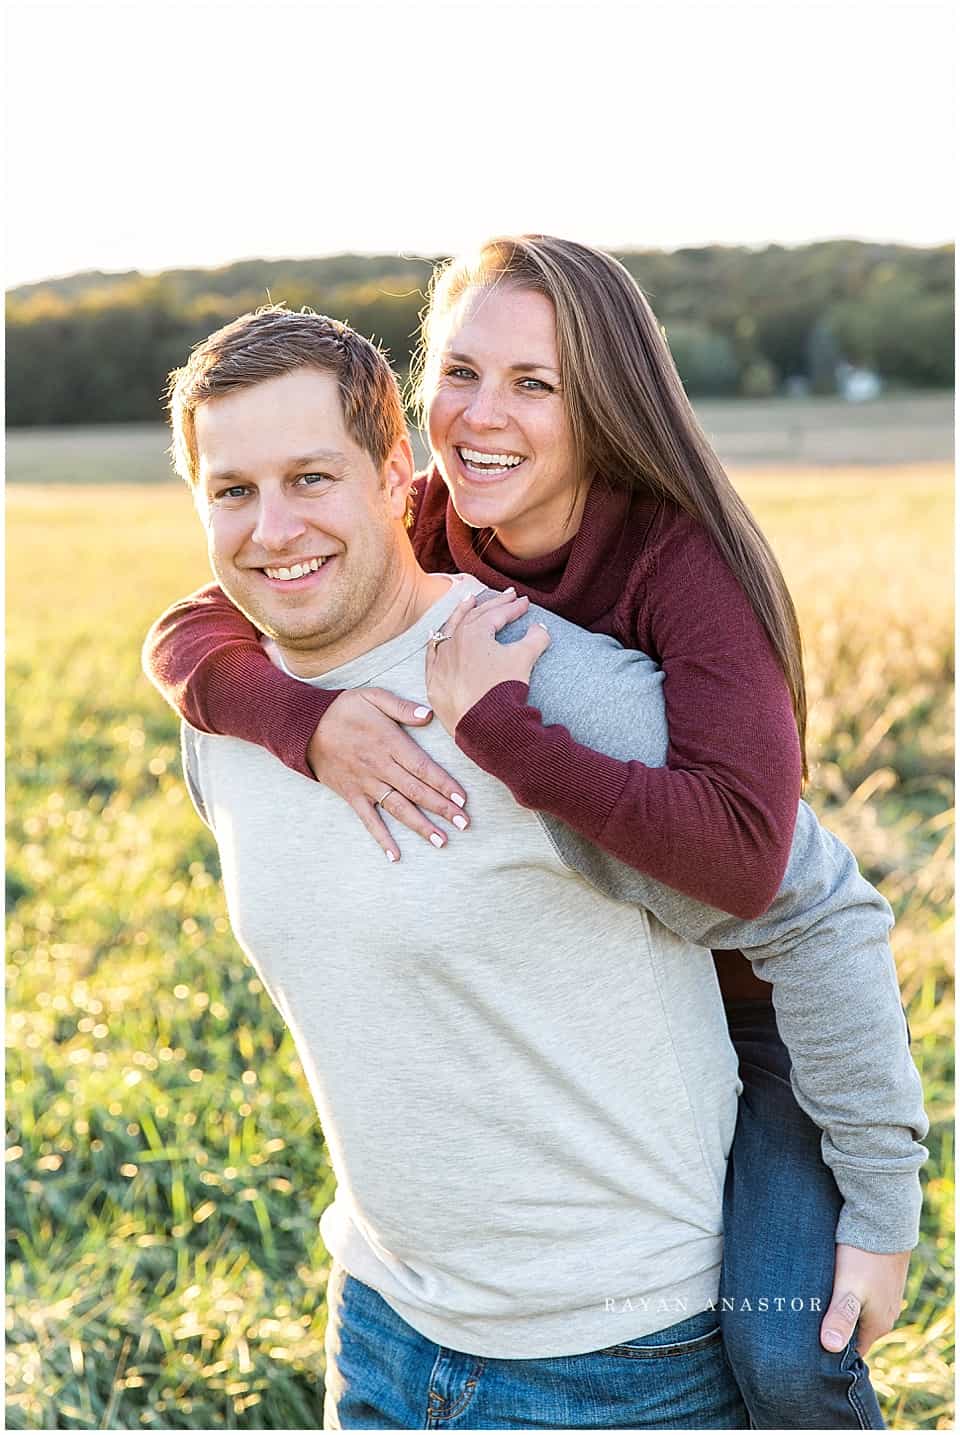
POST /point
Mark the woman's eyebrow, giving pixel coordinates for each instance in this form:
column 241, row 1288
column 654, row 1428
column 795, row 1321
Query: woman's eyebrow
column 525, row 364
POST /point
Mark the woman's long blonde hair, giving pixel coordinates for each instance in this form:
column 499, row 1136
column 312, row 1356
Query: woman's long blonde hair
column 631, row 420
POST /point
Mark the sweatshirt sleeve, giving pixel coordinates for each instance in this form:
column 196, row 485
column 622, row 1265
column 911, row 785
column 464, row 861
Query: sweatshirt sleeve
column 205, row 659
column 824, row 944
column 716, row 823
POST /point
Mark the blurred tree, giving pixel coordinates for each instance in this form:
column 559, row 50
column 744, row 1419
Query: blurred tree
column 823, row 356
column 899, row 330
column 759, row 380
column 387, row 311
column 95, row 347
column 704, row 359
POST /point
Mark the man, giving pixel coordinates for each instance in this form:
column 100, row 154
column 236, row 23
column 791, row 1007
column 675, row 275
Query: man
column 524, row 1077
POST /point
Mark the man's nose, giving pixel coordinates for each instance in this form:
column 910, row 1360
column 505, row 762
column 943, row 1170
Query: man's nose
column 279, row 523
column 486, row 408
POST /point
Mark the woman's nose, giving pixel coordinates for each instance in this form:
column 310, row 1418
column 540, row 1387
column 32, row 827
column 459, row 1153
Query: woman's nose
column 486, row 409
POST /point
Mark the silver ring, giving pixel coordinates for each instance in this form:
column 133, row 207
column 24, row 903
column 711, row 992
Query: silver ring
column 381, row 800
column 439, row 637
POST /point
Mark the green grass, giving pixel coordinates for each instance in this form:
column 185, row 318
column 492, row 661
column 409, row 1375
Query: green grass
column 165, row 1169
column 915, row 428
column 115, row 453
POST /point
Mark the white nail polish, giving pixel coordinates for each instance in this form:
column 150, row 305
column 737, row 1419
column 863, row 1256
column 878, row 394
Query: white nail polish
column 436, row 839
column 460, row 801
column 460, row 822
column 391, row 857
column 421, row 712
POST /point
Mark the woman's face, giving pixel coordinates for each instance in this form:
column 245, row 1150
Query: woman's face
column 498, row 423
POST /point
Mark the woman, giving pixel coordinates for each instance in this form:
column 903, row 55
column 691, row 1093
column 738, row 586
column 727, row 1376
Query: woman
column 569, row 464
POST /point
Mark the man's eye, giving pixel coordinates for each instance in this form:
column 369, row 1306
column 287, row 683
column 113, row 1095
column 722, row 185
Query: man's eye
column 236, row 490
column 311, row 479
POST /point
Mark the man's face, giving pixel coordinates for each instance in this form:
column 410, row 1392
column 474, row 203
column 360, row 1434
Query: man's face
column 303, row 531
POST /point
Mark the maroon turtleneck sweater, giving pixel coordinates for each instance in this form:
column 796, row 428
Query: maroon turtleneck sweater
column 716, row 822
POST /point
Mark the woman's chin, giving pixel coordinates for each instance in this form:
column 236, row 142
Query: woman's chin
column 479, row 510
column 475, row 507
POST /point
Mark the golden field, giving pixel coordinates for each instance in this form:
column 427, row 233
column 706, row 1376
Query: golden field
column 165, row 1170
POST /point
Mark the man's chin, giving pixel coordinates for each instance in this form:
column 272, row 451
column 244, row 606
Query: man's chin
column 311, row 632
column 298, row 631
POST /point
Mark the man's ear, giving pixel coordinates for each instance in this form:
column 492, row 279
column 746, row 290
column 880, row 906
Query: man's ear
column 398, row 471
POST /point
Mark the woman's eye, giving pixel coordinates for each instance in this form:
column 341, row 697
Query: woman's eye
column 536, row 386
column 459, row 372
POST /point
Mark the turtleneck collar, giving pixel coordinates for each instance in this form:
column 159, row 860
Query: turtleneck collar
column 583, row 578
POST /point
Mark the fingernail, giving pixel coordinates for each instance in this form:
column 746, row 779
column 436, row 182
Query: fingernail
column 391, row 856
column 543, row 626
column 436, row 839
column 421, row 712
column 460, row 822
column 833, row 1335
column 509, row 590
column 460, row 801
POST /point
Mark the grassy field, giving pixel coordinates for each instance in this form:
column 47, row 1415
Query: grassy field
column 165, row 1171
column 916, row 428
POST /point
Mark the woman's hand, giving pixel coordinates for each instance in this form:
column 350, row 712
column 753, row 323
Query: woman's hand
column 867, row 1287
column 360, row 751
column 470, row 661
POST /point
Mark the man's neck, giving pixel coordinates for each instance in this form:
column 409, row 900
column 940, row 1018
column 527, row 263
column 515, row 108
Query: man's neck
column 404, row 603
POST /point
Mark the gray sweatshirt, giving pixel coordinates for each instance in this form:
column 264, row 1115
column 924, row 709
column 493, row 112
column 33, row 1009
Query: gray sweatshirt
column 523, row 1076
column 823, row 944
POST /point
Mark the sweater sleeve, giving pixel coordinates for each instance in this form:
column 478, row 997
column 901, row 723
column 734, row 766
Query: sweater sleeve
column 717, row 822
column 205, row 658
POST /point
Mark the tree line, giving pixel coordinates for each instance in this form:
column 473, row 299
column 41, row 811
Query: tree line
column 96, row 348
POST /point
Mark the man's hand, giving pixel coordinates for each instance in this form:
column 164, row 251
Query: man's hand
column 866, row 1285
column 361, row 752
column 462, row 670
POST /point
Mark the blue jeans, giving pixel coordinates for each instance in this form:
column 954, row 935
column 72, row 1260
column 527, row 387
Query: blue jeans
column 384, row 1375
column 780, row 1212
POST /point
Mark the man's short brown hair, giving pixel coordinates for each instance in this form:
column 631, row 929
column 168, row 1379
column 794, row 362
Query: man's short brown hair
column 275, row 340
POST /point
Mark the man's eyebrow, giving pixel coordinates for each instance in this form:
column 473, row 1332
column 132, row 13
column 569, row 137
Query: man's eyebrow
column 319, row 455
column 514, row 368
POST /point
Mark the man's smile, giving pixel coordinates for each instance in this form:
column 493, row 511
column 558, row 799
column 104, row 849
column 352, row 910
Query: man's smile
column 300, row 574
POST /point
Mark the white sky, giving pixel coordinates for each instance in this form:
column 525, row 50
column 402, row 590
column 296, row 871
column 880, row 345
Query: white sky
column 153, row 136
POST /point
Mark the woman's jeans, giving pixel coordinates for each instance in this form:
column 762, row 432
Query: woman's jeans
column 781, row 1206
column 384, row 1375
column 780, row 1212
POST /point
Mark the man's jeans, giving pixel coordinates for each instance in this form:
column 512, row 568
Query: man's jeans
column 781, row 1206
column 384, row 1375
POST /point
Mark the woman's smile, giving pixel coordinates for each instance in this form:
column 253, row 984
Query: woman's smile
column 482, row 465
